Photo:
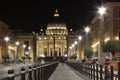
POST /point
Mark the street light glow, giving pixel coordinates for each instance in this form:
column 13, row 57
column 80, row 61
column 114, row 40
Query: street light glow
column 7, row 39
column 29, row 47
column 73, row 45
column 65, row 55
column 42, row 55
column 24, row 46
column 70, row 47
column 102, row 10
column 79, row 38
column 87, row 29
column 17, row 43
column 75, row 42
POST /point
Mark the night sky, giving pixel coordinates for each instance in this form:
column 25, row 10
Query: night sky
column 34, row 15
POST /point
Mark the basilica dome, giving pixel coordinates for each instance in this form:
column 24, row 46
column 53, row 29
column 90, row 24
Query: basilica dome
column 56, row 26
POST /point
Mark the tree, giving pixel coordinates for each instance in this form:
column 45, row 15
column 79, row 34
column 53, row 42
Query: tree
column 112, row 46
column 88, row 52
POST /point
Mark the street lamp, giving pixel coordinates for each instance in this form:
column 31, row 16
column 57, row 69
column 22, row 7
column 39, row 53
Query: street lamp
column 24, row 46
column 29, row 48
column 87, row 30
column 42, row 56
column 17, row 43
column 80, row 38
column 76, row 47
column 73, row 47
column 6, row 40
column 101, row 56
column 79, row 45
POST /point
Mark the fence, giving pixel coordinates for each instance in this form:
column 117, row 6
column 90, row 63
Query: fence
column 38, row 72
column 97, row 72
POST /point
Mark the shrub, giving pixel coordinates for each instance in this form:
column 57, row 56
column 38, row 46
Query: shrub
column 88, row 52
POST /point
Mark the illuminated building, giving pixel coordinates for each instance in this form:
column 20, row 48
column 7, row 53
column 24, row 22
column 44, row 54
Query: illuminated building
column 111, row 25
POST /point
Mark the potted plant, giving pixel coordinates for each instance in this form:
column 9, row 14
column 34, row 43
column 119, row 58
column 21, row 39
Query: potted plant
column 29, row 58
column 88, row 53
column 5, row 57
column 24, row 57
column 112, row 46
column 74, row 57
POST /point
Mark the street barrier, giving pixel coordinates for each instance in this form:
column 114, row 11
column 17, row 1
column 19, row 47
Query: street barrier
column 96, row 72
column 37, row 72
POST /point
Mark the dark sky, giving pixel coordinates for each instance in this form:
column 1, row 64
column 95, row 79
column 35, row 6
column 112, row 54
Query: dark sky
column 34, row 15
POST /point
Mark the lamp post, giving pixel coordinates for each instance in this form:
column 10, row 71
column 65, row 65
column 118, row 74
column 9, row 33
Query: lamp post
column 79, row 45
column 42, row 59
column 75, row 46
column 29, row 48
column 17, row 43
column 87, row 30
column 6, row 40
column 24, row 46
column 101, row 56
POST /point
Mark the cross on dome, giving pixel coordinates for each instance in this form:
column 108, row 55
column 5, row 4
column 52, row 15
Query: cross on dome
column 56, row 14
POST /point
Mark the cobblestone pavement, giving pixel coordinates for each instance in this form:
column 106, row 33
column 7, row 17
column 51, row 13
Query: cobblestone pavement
column 64, row 72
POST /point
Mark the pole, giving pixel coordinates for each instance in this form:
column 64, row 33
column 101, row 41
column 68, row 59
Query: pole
column 54, row 54
column 101, row 54
column 86, row 46
column 17, row 53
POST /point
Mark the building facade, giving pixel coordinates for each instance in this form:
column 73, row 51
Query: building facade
column 111, row 27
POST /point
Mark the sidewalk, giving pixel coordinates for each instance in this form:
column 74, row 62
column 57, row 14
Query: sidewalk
column 63, row 72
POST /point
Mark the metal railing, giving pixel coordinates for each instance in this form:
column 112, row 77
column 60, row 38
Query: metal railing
column 37, row 72
column 96, row 72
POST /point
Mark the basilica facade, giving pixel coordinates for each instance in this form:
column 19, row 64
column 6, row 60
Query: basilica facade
column 53, row 42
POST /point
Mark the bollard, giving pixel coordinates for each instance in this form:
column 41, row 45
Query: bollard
column 11, row 74
column 30, row 74
column 23, row 74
